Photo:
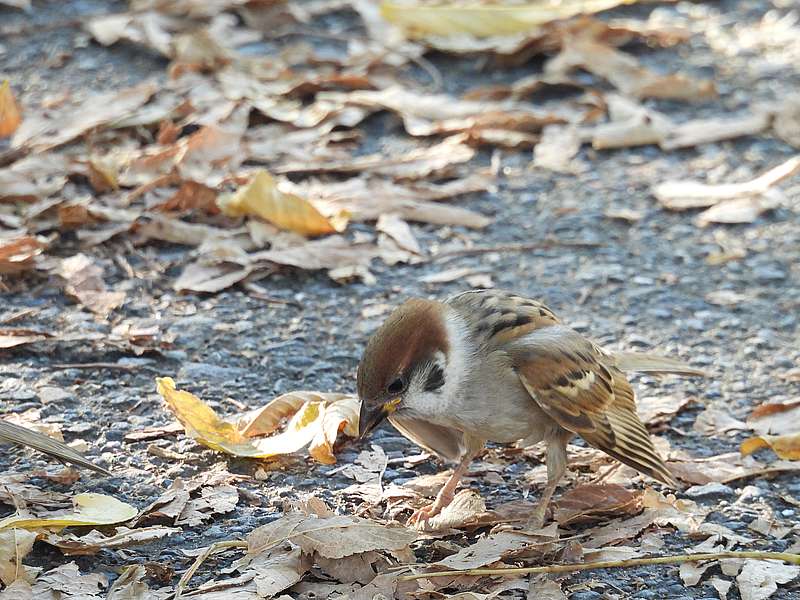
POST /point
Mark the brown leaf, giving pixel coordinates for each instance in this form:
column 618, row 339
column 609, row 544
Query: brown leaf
column 587, row 503
column 397, row 229
column 15, row 544
column 84, row 282
column 581, row 48
column 46, row 132
column 367, row 199
column 497, row 546
column 18, row 254
column 33, row 177
column 759, row 579
column 331, row 537
column 682, row 195
column 775, row 418
column 10, row 114
column 94, row 541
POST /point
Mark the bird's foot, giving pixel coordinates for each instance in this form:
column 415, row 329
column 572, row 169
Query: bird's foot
column 537, row 518
column 420, row 517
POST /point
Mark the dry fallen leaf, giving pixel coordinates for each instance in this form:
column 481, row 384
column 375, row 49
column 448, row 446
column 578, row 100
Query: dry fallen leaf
column 94, row 541
column 89, row 509
column 15, row 544
column 786, row 446
column 759, row 579
column 10, row 115
column 581, row 47
column 587, row 503
column 775, row 418
column 19, row 253
column 261, row 197
column 61, row 126
column 683, row 195
column 84, row 282
column 485, row 19
column 330, row 537
column 315, row 421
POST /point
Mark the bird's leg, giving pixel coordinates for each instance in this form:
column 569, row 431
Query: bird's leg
column 556, row 467
column 421, row 516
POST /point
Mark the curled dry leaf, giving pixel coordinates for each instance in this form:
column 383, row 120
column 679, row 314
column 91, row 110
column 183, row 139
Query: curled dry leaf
column 88, row 509
column 775, row 418
column 587, row 503
column 315, row 419
column 786, row 446
column 330, row 537
column 94, row 541
column 61, row 126
column 485, row 19
column 18, row 254
column 683, row 195
column 582, row 47
column 84, row 282
column 261, row 197
column 10, row 115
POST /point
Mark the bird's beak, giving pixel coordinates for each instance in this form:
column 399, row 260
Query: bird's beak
column 370, row 417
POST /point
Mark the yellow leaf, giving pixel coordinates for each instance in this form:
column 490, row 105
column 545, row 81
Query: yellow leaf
column 89, row 509
column 786, row 447
column 313, row 416
column 340, row 416
column 261, row 197
column 202, row 423
column 484, row 20
column 10, row 115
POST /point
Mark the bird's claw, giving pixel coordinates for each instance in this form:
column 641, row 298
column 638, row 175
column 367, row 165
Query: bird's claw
column 420, row 517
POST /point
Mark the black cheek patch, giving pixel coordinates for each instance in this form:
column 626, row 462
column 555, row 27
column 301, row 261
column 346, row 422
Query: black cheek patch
column 435, row 379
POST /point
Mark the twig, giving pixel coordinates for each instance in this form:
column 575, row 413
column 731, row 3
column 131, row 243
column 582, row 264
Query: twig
column 259, row 293
column 212, row 549
column 99, row 365
column 607, row 564
column 16, row 316
column 545, row 245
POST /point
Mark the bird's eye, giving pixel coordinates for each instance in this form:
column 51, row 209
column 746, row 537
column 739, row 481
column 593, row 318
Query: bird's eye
column 397, row 386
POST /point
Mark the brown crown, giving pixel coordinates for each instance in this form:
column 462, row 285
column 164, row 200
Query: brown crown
column 410, row 335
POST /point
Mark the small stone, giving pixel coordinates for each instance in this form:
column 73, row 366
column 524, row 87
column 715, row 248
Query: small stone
column 586, row 595
column 788, row 512
column 198, row 371
column 709, row 489
column 769, row 273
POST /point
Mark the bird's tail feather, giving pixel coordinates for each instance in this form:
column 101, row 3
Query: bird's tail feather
column 651, row 363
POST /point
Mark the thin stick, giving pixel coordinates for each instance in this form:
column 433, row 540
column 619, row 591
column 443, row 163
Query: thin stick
column 607, row 564
column 100, row 365
column 212, row 549
column 545, row 245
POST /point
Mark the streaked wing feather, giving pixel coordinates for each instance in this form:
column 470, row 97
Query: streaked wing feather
column 575, row 382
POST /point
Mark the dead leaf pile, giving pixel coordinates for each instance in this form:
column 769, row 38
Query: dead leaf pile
column 199, row 160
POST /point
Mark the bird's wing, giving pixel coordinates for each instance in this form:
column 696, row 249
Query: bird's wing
column 577, row 384
column 496, row 317
column 22, row 436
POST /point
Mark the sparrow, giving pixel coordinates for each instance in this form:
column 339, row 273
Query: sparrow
column 488, row 365
column 22, row 436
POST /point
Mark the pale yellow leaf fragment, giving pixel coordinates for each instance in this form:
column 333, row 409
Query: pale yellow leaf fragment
column 486, row 19
column 786, row 446
column 10, row 115
column 89, row 509
column 261, row 197
column 313, row 417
